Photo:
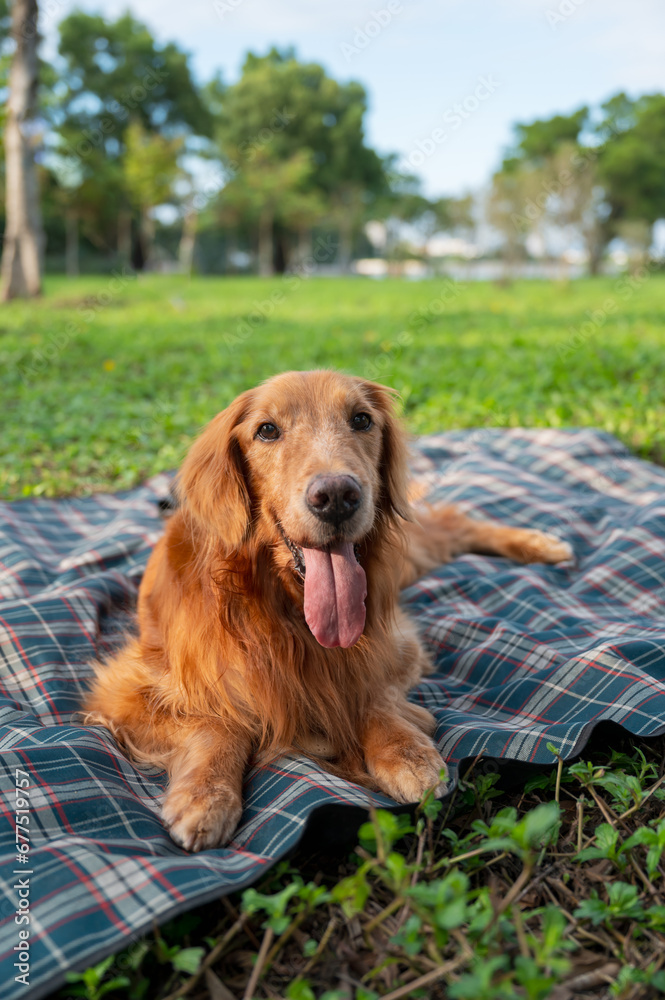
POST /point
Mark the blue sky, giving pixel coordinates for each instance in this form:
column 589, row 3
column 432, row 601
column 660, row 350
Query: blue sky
column 502, row 60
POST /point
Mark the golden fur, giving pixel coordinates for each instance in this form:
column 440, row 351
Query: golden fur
column 225, row 667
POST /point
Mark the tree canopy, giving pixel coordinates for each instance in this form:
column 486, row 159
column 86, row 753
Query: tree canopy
column 130, row 136
column 283, row 106
column 114, row 71
column 632, row 161
column 599, row 174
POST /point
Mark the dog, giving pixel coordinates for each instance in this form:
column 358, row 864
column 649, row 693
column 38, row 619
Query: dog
column 268, row 616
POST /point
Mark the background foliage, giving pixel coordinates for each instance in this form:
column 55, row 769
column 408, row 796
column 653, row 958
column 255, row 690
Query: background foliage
column 245, row 176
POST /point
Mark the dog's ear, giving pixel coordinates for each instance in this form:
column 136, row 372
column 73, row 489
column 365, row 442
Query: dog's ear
column 212, row 484
column 394, row 451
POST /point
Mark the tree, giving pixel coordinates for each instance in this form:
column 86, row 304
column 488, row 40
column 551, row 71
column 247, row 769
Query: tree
column 150, row 170
column 404, row 203
column 577, row 200
column 91, row 203
column 538, row 141
column 272, row 191
column 282, row 114
column 557, row 173
column 439, row 215
column 114, row 73
column 632, row 157
column 511, row 187
column 6, row 46
column 24, row 240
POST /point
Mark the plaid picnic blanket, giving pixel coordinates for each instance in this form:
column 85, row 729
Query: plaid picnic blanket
column 525, row 656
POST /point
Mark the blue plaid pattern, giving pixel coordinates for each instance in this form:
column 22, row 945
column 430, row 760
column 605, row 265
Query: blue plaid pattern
column 525, row 656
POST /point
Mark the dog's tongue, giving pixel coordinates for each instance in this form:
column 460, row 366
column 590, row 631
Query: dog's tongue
column 335, row 592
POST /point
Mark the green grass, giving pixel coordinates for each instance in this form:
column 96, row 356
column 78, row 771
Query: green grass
column 104, row 382
column 501, row 895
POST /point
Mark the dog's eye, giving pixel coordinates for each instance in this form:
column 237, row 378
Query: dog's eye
column 268, row 432
column 361, row 422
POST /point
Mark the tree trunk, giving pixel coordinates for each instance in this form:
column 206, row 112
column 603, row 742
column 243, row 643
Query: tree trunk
column 125, row 236
column 188, row 240
column 594, row 264
column 345, row 253
column 280, row 253
column 146, row 238
column 266, row 266
column 594, row 247
column 596, row 236
column 230, row 250
column 71, row 243
column 301, row 253
column 304, row 243
column 24, row 235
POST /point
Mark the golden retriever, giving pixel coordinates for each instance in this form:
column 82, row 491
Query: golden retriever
column 268, row 615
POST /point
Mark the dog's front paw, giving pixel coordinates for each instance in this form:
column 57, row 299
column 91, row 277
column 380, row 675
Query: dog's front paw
column 533, row 546
column 406, row 770
column 204, row 817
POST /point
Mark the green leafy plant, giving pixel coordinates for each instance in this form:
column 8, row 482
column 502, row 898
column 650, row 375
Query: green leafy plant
column 622, row 903
column 93, row 984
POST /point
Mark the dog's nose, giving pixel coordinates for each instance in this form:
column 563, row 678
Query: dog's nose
column 333, row 498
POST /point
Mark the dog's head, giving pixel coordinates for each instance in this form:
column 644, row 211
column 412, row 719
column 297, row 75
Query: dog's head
column 315, row 460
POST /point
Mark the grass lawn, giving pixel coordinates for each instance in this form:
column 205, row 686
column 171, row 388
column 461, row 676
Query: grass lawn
column 553, row 890
column 107, row 380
